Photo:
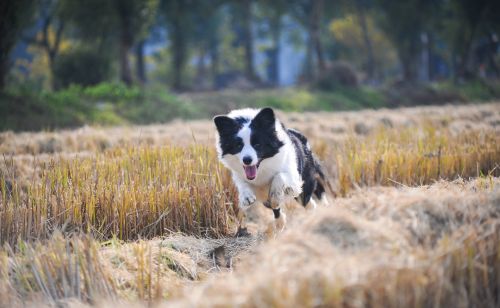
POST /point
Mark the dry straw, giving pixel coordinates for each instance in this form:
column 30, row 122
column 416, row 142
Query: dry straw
column 145, row 191
column 129, row 192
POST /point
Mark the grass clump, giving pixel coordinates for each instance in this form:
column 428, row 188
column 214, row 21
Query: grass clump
column 56, row 271
column 127, row 192
column 412, row 157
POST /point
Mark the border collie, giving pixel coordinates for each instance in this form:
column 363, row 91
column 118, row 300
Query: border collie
column 269, row 163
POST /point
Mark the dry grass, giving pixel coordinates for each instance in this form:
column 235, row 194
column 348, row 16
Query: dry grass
column 146, row 190
column 71, row 202
column 129, row 193
column 329, row 127
column 412, row 157
column 383, row 247
column 434, row 245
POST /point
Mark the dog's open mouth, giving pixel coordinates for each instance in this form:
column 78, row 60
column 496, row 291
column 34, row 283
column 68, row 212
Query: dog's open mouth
column 250, row 171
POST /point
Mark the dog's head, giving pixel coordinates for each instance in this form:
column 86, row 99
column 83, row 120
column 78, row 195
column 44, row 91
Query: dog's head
column 246, row 138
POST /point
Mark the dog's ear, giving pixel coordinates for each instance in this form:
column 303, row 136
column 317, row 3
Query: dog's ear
column 225, row 125
column 265, row 118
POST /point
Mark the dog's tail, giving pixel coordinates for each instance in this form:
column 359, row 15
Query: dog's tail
column 323, row 182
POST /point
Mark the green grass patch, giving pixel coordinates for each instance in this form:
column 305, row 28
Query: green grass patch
column 21, row 108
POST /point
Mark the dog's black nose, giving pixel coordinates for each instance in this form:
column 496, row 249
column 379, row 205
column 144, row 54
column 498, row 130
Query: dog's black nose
column 247, row 160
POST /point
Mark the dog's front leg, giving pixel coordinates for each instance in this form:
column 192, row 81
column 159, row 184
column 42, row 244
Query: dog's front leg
column 284, row 186
column 246, row 198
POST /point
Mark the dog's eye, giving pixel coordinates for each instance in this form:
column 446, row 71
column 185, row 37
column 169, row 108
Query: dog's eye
column 257, row 145
column 238, row 146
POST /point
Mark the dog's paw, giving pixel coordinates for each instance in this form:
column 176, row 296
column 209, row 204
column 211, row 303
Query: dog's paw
column 280, row 192
column 276, row 198
column 276, row 227
column 280, row 222
column 289, row 192
column 247, row 199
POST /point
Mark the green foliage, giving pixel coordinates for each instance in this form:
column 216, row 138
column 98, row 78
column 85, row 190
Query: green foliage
column 342, row 98
column 81, row 66
column 23, row 109
column 155, row 106
column 114, row 103
column 476, row 90
column 105, row 104
column 349, row 45
column 112, row 92
column 348, row 98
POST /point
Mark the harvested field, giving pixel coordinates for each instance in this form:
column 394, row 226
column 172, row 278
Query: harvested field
column 145, row 215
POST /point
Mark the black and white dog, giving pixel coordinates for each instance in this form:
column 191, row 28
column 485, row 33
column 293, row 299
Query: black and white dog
column 269, row 163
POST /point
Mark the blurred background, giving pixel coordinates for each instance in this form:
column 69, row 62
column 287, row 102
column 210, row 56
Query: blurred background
column 67, row 63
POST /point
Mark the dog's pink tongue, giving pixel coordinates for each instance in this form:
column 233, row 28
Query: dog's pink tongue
column 250, row 172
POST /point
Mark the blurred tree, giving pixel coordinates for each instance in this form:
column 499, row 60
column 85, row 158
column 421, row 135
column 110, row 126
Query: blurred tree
column 242, row 22
column 310, row 14
column 361, row 7
column 467, row 21
column 50, row 36
column 404, row 22
column 140, row 62
column 82, row 66
column 246, row 23
column 274, row 11
column 14, row 15
column 146, row 18
column 350, row 44
column 135, row 18
column 179, row 19
column 99, row 21
column 206, row 37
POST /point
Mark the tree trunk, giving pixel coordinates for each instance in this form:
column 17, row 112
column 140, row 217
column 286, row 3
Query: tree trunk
column 53, row 51
column 214, row 61
column 464, row 71
column 370, row 59
column 492, row 51
column 308, row 70
column 408, row 58
column 52, row 59
column 139, row 58
column 4, row 69
column 9, row 28
column 201, row 76
column 275, row 59
column 179, row 52
column 126, row 41
column 315, row 28
column 125, row 74
column 248, row 39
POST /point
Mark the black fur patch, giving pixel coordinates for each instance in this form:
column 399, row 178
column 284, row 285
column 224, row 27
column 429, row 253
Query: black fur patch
column 309, row 168
column 228, row 129
column 264, row 138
